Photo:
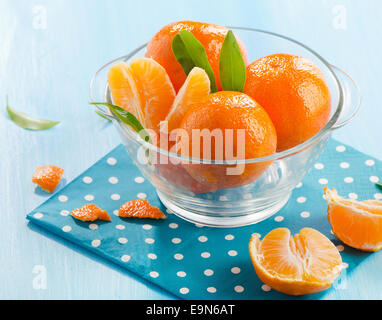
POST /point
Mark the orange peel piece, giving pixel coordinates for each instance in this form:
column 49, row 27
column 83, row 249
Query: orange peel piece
column 48, row 177
column 90, row 212
column 140, row 208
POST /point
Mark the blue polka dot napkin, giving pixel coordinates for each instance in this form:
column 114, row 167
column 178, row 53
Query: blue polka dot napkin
column 196, row 262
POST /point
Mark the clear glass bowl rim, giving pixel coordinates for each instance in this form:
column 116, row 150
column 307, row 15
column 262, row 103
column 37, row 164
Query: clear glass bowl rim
column 276, row 156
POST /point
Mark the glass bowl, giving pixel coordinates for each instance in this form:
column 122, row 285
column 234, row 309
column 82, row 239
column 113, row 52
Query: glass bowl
column 200, row 203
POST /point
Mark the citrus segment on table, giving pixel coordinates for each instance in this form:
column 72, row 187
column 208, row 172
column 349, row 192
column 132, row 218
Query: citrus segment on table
column 140, row 208
column 294, row 92
column 196, row 87
column 90, row 212
column 232, row 127
column 302, row 264
column 356, row 223
column 211, row 36
column 47, row 177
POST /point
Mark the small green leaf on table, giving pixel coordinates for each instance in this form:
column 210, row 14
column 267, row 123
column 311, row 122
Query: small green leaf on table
column 26, row 121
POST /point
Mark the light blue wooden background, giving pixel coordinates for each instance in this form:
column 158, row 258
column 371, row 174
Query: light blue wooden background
column 45, row 68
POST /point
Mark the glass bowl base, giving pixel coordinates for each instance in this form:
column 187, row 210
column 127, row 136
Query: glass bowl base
column 250, row 216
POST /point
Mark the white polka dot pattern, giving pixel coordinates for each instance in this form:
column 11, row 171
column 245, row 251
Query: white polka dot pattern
column 89, row 197
column 87, row 180
column 181, row 274
column 38, row 215
column 184, row 290
column 63, row 198
column 113, row 180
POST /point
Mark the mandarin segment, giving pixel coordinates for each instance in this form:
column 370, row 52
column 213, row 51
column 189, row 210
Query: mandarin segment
column 356, row 223
column 211, row 37
column 155, row 90
column 304, row 264
column 140, row 208
column 294, row 93
column 124, row 90
column 143, row 88
column 90, row 212
column 196, row 87
column 48, row 177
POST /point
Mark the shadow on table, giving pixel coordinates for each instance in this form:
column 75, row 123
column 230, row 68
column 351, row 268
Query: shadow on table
column 96, row 258
column 40, row 192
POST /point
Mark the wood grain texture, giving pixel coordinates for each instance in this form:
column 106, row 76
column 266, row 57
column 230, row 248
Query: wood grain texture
column 45, row 68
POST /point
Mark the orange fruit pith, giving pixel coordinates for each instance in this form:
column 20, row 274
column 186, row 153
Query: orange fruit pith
column 356, row 223
column 47, row 177
column 142, row 88
column 294, row 93
column 306, row 263
column 140, row 208
column 90, row 212
column 227, row 113
column 211, row 37
column 196, row 87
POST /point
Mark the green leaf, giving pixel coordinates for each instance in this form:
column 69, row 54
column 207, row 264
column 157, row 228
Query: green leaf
column 127, row 118
column 190, row 53
column 379, row 185
column 232, row 69
column 102, row 116
column 27, row 122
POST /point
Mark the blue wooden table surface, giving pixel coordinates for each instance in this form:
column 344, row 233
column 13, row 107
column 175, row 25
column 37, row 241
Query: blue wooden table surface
column 48, row 52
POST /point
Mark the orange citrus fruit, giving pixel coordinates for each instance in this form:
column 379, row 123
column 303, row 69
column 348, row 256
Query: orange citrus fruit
column 197, row 86
column 211, row 37
column 306, row 263
column 142, row 88
column 47, row 177
column 171, row 169
column 90, row 212
column 356, row 223
column 140, row 209
column 295, row 94
column 236, row 128
column 123, row 89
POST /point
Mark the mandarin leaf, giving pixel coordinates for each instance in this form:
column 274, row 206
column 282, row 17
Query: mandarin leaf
column 190, row 53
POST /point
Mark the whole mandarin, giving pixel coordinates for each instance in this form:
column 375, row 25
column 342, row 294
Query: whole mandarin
column 294, row 92
column 211, row 37
column 239, row 129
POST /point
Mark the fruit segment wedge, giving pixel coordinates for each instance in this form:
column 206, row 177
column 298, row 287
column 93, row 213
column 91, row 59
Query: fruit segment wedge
column 356, row 223
column 306, row 263
column 142, row 88
column 155, row 90
column 196, row 86
column 124, row 89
